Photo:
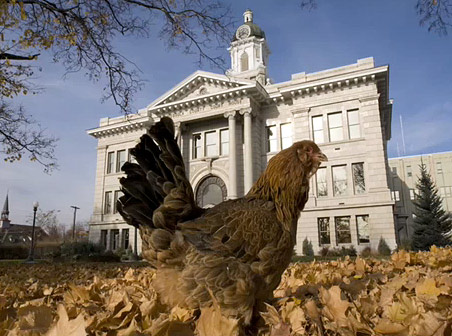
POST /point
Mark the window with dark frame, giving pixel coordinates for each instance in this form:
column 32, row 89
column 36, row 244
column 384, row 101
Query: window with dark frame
column 272, row 140
column 118, row 193
column 108, row 202
column 339, row 180
column 103, row 238
column 395, row 195
column 359, row 185
column 125, row 239
column 197, row 148
column 110, row 162
column 362, row 228
column 324, row 230
column 114, row 243
column 409, row 172
column 439, row 167
column 322, row 186
column 120, row 159
column 343, row 234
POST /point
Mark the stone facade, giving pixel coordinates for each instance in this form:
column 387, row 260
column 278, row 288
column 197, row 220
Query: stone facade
column 404, row 174
column 229, row 126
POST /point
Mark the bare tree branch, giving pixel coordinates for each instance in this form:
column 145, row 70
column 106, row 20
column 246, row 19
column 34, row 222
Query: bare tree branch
column 435, row 14
column 81, row 34
column 20, row 135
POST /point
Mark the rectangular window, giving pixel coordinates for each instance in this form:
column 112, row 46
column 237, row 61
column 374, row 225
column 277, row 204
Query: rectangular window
column 224, row 140
column 409, row 173
column 317, row 129
column 211, row 144
column 359, row 184
column 439, row 168
column 114, row 243
column 108, row 202
column 322, row 186
column 118, row 193
column 412, row 194
column 120, row 159
column 335, row 126
column 110, row 162
column 343, row 235
column 353, row 124
column 272, row 140
column 324, row 230
column 339, row 180
column 362, row 226
column 394, row 170
column 286, row 135
column 197, row 149
column 395, row 195
column 125, row 239
column 448, row 191
column 103, row 238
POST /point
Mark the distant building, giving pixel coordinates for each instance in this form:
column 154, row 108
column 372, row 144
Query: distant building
column 16, row 233
column 229, row 126
column 405, row 172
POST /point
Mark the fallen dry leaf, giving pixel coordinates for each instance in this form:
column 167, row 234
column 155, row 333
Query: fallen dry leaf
column 66, row 327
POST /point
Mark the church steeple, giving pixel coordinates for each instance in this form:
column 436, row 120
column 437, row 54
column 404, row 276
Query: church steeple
column 249, row 51
column 4, row 221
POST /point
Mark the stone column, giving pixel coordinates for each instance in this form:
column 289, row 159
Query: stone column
column 232, row 190
column 177, row 133
column 248, row 160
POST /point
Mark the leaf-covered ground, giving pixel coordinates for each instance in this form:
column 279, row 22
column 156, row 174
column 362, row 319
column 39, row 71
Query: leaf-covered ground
column 410, row 294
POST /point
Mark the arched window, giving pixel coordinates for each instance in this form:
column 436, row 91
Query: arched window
column 244, row 62
column 210, row 192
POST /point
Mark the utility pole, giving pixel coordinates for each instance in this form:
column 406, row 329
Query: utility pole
column 73, row 225
column 31, row 255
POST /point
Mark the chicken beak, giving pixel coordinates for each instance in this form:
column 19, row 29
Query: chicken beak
column 322, row 157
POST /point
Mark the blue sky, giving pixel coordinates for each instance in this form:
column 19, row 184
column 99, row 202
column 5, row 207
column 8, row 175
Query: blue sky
column 337, row 33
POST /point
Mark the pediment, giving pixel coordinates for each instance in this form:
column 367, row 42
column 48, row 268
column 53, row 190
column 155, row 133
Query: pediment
column 199, row 84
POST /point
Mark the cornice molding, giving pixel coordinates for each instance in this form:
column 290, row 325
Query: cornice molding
column 217, row 98
column 120, row 128
column 324, row 85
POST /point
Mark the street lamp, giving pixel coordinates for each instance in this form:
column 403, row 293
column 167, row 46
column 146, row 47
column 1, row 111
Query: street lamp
column 32, row 246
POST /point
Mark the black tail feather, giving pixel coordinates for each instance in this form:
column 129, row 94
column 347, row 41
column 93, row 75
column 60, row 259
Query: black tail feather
column 157, row 193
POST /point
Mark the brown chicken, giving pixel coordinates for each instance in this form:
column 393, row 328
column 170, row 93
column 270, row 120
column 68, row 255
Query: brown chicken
column 235, row 251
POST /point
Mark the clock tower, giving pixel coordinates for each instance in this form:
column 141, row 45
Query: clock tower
column 249, row 51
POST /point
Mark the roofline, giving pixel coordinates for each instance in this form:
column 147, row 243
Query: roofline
column 418, row 155
column 197, row 73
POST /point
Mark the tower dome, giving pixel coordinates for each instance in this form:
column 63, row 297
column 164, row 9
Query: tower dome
column 248, row 28
column 249, row 51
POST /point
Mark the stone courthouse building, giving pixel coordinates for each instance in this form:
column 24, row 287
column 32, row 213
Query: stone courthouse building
column 230, row 125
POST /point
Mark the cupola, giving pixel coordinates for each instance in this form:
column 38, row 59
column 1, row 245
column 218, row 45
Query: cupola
column 249, row 51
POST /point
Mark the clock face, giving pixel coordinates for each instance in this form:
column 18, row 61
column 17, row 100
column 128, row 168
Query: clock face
column 243, row 32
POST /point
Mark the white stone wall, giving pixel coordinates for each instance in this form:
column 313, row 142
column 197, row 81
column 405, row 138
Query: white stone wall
column 360, row 86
